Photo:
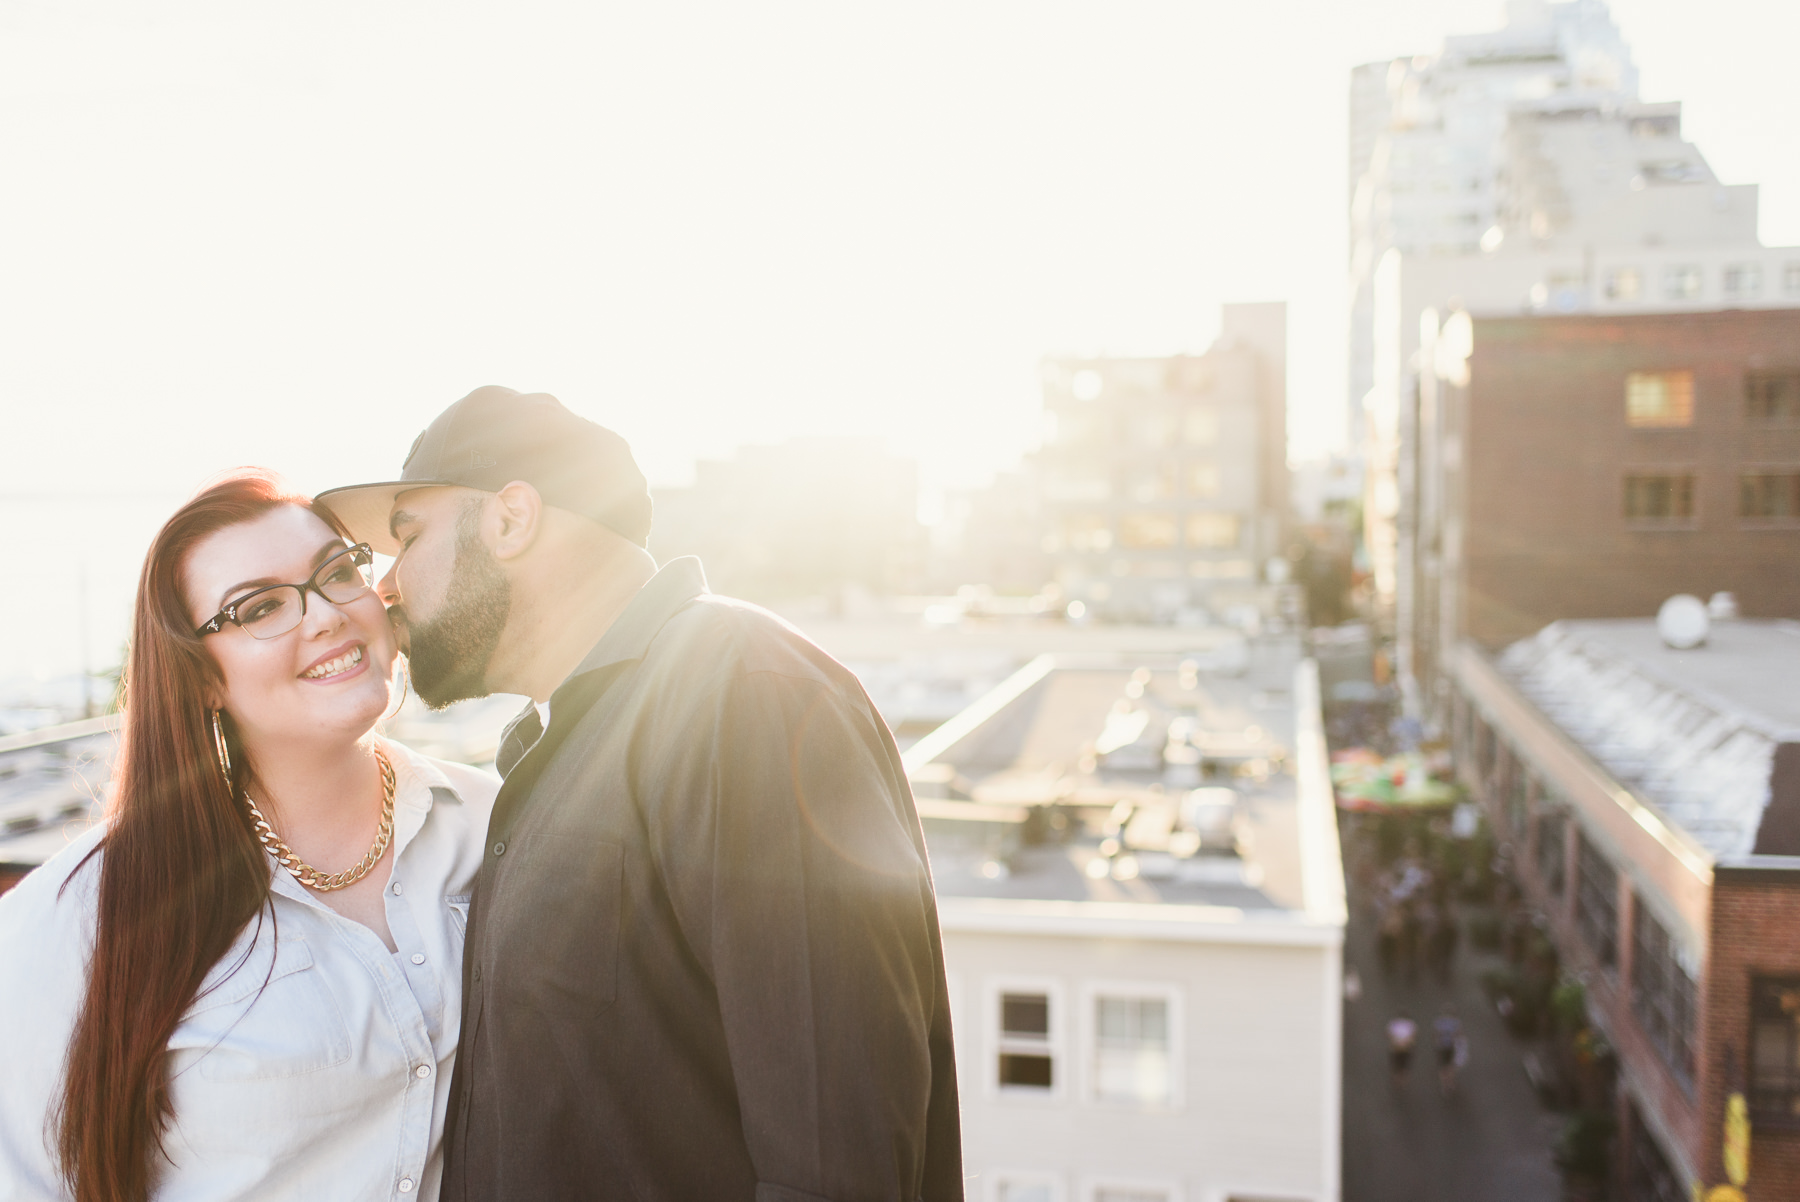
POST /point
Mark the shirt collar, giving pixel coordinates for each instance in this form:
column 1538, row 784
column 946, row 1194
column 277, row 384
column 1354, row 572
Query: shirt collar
column 674, row 585
column 416, row 781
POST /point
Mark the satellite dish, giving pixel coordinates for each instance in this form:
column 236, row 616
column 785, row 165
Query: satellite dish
column 1682, row 622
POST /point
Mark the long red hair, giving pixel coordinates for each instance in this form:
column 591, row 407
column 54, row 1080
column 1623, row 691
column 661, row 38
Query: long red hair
column 182, row 873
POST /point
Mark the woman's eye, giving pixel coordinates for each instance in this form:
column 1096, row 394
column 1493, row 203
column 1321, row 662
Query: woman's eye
column 259, row 609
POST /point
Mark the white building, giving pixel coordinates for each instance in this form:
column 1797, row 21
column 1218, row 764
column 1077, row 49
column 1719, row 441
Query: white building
column 1428, row 146
column 1143, row 911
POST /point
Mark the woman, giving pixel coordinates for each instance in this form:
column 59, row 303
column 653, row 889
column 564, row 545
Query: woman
column 246, row 982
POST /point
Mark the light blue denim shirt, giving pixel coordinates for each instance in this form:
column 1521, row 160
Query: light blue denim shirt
column 331, row 1081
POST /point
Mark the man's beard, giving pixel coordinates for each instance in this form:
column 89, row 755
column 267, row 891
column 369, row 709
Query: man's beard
column 448, row 655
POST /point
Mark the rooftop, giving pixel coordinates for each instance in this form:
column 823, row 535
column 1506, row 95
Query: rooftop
column 1692, row 733
column 1143, row 781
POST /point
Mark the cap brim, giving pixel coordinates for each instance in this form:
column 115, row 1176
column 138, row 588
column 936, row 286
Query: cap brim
column 364, row 509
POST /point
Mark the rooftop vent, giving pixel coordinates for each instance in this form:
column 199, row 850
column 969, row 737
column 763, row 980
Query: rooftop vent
column 1682, row 622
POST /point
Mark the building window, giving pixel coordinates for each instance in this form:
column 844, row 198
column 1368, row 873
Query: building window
column 1659, row 498
column 1156, row 483
column 1212, row 530
column 1087, row 533
column 1662, row 993
column 1516, row 789
column 1154, row 430
column 1203, row 480
column 1122, row 1192
column 1552, row 866
column 1026, row 1057
column 1624, row 284
column 1148, row 531
column 1597, row 902
column 1743, row 279
column 1132, row 1054
column 1026, row 1022
column 1024, row 1187
column 1771, row 495
column 1201, row 428
column 1659, row 400
column 1682, row 282
column 1775, row 1051
column 1772, row 396
column 1651, row 1178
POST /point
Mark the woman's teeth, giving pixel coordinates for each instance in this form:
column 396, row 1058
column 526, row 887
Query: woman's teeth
column 342, row 663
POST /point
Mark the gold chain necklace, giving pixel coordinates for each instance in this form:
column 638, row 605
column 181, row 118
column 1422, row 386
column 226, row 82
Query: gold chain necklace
column 311, row 877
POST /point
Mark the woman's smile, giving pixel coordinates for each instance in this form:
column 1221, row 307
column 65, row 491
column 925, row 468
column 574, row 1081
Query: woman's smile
column 337, row 665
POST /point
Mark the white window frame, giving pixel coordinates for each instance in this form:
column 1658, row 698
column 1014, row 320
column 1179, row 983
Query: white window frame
column 1091, row 1187
column 1168, row 992
column 993, row 989
column 998, row 1177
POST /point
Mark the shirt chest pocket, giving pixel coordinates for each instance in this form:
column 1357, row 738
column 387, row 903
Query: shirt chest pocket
column 263, row 1021
column 552, row 936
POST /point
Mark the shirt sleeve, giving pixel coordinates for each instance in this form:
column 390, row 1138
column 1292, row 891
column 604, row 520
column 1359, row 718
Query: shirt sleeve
column 793, row 864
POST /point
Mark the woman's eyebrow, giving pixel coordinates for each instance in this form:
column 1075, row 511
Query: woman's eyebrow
column 334, row 547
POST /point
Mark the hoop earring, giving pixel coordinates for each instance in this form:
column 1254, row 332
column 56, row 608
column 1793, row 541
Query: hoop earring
column 219, row 748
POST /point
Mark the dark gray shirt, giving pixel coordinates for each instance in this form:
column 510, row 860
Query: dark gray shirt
column 703, row 959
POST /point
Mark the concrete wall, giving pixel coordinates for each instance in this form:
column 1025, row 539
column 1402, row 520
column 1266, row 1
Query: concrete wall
column 1255, row 1116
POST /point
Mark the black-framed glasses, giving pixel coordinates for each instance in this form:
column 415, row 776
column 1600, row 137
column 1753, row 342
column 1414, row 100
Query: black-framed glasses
column 271, row 612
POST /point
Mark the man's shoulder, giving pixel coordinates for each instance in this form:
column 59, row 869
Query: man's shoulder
column 725, row 637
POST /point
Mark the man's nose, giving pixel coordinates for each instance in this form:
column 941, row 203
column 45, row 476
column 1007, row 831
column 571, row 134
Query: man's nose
column 388, row 587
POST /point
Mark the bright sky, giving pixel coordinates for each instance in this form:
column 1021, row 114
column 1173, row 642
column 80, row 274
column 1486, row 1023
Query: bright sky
column 291, row 233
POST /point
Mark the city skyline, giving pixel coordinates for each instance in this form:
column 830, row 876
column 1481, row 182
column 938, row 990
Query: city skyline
column 872, row 225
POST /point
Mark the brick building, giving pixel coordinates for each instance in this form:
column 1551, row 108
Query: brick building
column 1651, row 798
column 1592, row 466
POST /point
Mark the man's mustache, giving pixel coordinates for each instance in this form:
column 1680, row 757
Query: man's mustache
column 402, row 628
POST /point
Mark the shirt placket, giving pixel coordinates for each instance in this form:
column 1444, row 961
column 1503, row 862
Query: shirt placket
column 408, row 1018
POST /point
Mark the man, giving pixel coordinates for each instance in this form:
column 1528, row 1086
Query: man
column 703, row 960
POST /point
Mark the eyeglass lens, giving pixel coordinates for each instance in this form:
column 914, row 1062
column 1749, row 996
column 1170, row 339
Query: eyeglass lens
column 275, row 611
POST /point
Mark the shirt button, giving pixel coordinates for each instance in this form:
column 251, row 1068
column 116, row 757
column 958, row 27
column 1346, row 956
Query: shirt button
column 406, row 1185
column 418, row 957
column 422, row 1072
column 499, row 849
column 397, row 889
column 478, row 972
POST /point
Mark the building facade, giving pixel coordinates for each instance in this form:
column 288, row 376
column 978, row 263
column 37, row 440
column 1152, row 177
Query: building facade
column 1516, row 173
column 1590, row 466
column 1428, row 145
column 1651, row 800
column 1163, row 482
column 1142, row 907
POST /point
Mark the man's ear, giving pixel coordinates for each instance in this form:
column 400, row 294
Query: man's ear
column 519, row 512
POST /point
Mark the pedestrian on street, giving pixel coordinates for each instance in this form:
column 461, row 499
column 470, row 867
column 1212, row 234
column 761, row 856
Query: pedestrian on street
column 1402, row 1032
column 1452, row 1048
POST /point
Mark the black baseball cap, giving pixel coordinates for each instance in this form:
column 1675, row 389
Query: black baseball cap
column 494, row 436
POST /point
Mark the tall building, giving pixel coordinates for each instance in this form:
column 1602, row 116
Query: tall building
column 1429, row 168
column 807, row 517
column 1163, row 482
column 1576, row 199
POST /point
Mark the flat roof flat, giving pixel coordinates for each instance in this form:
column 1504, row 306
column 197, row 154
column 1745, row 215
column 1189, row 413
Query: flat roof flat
column 1138, row 778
